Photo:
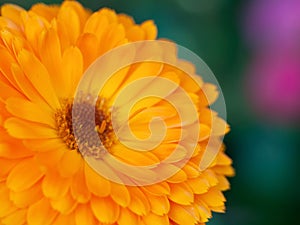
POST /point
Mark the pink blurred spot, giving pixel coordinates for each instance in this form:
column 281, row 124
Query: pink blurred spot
column 273, row 86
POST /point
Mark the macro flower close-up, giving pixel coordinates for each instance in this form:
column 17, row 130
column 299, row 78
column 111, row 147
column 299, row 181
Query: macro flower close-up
column 44, row 177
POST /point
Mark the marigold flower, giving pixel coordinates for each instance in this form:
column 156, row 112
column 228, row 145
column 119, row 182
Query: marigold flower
column 44, row 178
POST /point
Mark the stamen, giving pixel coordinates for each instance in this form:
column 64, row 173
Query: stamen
column 85, row 144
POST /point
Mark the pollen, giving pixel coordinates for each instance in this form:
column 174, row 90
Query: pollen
column 84, row 141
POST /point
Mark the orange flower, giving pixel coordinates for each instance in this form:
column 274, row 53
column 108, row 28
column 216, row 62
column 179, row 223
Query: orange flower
column 44, row 177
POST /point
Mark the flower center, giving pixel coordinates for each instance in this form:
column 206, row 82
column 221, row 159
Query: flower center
column 84, row 142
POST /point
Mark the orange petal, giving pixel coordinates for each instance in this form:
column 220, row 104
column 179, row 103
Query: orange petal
column 62, row 219
column 139, row 203
column 181, row 194
column 17, row 217
column 49, row 159
column 41, row 213
column 29, row 111
column 65, row 204
column 12, row 12
column 183, row 215
column 79, row 189
column 46, row 11
column 213, row 198
column 128, row 217
column 25, row 86
column 150, row 30
column 5, row 64
column 97, row 184
column 54, row 186
column 27, row 197
column 6, row 167
column 6, row 206
column 84, row 215
column 8, row 151
column 72, row 71
column 39, row 77
column 24, row 175
column 159, row 189
column 69, row 164
column 87, row 43
column 159, row 204
column 69, row 24
column 105, row 210
column 198, row 185
column 28, row 130
column 166, row 170
column 151, row 219
column 120, row 194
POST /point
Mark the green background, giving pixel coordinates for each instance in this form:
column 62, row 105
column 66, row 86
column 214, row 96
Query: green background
column 266, row 156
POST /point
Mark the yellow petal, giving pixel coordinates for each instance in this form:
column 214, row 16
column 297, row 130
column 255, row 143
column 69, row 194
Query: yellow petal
column 224, row 170
column 6, row 206
column 8, row 151
column 49, row 159
column 120, row 194
column 29, row 111
column 139, row 203
column 54, row 186
column 82, row 12
column 69, row 164
column 132, row 157
column 79, row 189
column 17, row 217
column 41, row 213
column 127, row 217
column 25, row 86
column 181, row 194
column 135, row 33
column 151, row 219
column 84, row 215
column 5, row 64
column 33, row 28
column 28, row 130
column 72, row 70
column 6, row 167
column 105, row 210
column 213, row 197
column 65, row 204
column 12, row 12
column 198, row 185
column 8, row 91
column 208, row 94
column 159, row 189
column 96, row 24
column 51, row 58
column 46, row 11
column 87, row 43
column 159, row 204
column 65, row 219
column 39, row 77
column 210, row 176
column 97, row 184
column 173, row 173
column 223, row 184
column 191, row 170
column 69, row 24
column 183, row 214
column 150, row 30
column 24, row 175
column 27, row 197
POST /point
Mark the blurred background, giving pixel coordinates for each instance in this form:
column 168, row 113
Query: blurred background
column 253, row 47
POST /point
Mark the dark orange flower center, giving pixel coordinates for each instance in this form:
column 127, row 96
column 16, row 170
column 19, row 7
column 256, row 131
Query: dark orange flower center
column 84, row 142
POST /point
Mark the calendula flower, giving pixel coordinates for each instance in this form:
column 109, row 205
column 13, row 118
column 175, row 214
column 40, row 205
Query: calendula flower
column 44, row 175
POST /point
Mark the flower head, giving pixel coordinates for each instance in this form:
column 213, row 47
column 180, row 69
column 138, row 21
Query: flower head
column 45, row 177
